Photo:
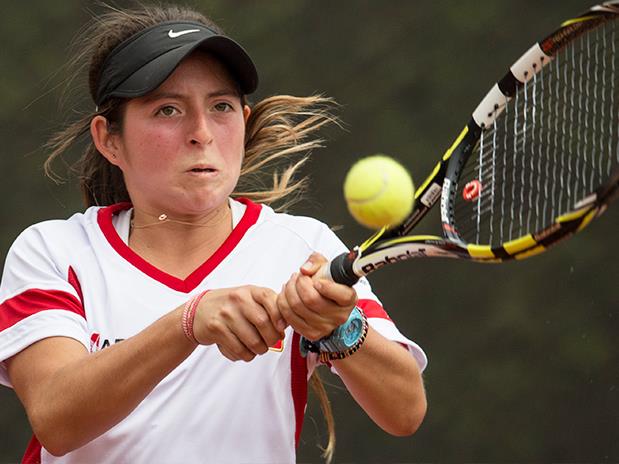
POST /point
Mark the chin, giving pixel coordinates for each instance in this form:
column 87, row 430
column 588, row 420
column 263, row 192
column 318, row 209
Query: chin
column 204, row 203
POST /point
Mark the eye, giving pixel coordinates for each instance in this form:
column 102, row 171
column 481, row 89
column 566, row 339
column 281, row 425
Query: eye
column 223, row 107
column 167, row 111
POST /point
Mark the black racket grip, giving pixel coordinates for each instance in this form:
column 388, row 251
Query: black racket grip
column 340, row 269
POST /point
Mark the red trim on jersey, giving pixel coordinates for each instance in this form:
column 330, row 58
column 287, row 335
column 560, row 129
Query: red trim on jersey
column 193, row 280
column 372, row 309
column 75, row 283
column 34, row 301
column 33, row 452
column 298, row 384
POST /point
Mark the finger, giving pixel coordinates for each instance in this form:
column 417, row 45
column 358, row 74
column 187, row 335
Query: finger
column 296, row 303
column 290, row 292
column 262, row 323
column 327, row 314
column 249, row 335
column 315, row 310
column 231, row 356
column 342, row 295
column 267, row 298
column 309, row 296
column 226, row 353
column 312, row 264
column 296, row 322
column 233, row 348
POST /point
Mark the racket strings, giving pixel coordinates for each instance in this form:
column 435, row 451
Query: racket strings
column 553, row 145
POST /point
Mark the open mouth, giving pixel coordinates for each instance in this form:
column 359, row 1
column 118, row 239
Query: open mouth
column 202, row 170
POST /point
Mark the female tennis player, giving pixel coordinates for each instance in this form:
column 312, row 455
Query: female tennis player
column 176, row 319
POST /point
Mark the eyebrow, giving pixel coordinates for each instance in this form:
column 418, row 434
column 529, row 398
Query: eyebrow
column 217, row 93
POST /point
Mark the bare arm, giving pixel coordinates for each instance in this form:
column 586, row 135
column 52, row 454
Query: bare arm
column 67, row 392
column 393, row 395
column 382, row 376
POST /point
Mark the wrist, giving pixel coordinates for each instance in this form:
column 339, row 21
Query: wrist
column 188, row 317
column 344, row 341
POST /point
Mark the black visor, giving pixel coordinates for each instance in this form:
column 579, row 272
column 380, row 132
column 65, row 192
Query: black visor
column 143, row 61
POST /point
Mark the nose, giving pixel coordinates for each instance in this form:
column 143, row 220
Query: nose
column 200, row 132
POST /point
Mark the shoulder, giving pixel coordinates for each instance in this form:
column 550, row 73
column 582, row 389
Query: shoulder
column 308, row 233
column 53, row 228
column 54, row 233
column 308, row 229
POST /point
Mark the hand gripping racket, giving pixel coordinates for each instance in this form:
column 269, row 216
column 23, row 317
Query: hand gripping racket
column 537, row 162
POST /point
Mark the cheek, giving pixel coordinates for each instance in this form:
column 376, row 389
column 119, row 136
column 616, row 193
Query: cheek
column 235, row 138
column 148, row 148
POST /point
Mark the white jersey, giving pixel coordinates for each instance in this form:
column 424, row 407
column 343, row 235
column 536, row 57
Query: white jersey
column 78, row 278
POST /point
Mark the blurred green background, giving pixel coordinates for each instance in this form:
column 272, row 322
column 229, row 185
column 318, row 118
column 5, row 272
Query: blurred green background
column 524, row 358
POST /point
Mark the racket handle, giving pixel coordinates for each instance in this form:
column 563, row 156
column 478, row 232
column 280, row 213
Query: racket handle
column 339, row 269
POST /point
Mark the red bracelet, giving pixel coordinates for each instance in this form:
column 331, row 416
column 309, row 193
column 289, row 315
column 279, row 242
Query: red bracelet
column 189, row 314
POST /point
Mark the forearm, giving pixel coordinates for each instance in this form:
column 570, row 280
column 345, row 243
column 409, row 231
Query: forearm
column 386, row 382
column 86, row 396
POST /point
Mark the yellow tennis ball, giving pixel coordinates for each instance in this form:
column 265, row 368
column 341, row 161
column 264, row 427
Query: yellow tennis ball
column 379, row 192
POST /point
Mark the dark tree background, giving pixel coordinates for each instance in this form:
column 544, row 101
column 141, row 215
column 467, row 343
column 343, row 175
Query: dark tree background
column 524, row 358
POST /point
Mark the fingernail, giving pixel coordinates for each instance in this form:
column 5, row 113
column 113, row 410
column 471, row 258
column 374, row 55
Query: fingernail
column 307, row 266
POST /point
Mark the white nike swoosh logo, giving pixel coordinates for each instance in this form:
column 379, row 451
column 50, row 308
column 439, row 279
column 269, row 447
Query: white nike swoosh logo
column 174, row 35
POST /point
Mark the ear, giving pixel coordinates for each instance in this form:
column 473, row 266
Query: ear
column 246, row 112
column 107, row 143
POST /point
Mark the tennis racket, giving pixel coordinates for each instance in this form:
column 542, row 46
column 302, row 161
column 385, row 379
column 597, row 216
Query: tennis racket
column 537, row 162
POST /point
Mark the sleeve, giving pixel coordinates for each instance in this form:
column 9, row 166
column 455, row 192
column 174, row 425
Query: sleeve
column 379, row 320
column 39, row 297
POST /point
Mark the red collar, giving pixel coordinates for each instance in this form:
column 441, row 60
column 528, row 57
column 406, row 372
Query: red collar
column 104, row 219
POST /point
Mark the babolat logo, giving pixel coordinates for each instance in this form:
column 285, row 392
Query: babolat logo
column 419, row 253
column 97, row 343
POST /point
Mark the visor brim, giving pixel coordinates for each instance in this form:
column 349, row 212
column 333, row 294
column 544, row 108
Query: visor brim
column 155, row 72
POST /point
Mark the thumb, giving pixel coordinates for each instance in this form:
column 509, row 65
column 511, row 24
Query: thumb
column 312, row 264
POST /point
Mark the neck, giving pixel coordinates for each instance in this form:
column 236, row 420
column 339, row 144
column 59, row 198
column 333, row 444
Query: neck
column 179, row 244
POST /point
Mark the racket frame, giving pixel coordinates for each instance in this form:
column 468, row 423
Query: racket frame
column 387, row 246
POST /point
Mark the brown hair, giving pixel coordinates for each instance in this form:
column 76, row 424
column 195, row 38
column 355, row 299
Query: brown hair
column 280, row 134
